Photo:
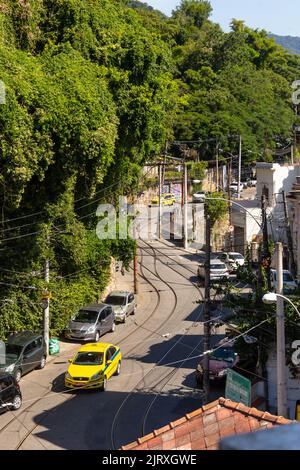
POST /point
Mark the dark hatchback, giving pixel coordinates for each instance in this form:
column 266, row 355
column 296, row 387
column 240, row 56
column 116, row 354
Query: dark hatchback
column 223, row 358
column 25, row 351
column 10, row 393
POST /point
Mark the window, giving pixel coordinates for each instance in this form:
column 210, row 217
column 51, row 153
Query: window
column 89, row 358
column 103, row 314
column 110, row 352
column 86, row 316
column 115, row 300
column 29, row 348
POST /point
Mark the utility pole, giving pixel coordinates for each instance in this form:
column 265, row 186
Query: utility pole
column 135, row 261
column 207, row 332
column 229, row 198
column 47, row 303
column 159, row 200
column 266, row 251
column 281, row 367
column 185, row 206
column 240, row 167
column 217, row 164
column 292, row 263
column 135, row 273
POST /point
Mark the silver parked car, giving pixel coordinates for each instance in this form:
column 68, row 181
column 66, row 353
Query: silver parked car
column 123, row 304
column 218, row 270
column 199, row 197
column 232, row 260
column 91, row 322
column 289, row 283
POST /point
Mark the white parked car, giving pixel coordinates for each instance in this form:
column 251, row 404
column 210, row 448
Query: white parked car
column 289, row 283
column 232, row 260
column 199, row 197
column 218, row 270
column 234, row 187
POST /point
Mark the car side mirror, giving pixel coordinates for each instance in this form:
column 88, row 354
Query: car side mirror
column 25, row 356
column 70, row 360
column 108, row 362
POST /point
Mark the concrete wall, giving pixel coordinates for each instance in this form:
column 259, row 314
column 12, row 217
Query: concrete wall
column 245, row 220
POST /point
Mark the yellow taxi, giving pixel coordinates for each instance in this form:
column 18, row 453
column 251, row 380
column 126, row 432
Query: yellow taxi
column 93, row 365
column 166, row 200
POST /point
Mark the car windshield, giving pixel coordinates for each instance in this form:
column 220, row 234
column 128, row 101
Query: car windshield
column 12, row 353
column 115, row 300
column 86, row 316
column 224, row 354
column 217, row 266
column 88, row 359
column 13, row 349
column 168, row 197
column 235, row 256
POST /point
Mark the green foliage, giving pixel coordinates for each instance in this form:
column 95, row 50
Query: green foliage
column 90, row 97
column 93, row 89
column 196, row 170
column 217, row 208
column 234, row 83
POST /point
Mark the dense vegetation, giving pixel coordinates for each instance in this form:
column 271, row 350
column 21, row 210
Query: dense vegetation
column 88, row 98
column 93, row 90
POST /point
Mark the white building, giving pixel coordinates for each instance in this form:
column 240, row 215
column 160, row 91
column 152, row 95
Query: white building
column 272, row 180
column 246, row 221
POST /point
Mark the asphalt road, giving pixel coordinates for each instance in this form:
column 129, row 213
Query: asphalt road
column 160, row 346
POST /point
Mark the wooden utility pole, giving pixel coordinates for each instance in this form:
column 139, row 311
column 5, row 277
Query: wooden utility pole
column 207, row 328
column 292, row 263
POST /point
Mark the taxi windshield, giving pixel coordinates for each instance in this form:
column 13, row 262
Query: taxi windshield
column 88, row 359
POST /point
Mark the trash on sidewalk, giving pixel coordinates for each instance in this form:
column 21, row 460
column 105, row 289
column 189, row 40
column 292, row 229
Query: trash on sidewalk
column 54, row 346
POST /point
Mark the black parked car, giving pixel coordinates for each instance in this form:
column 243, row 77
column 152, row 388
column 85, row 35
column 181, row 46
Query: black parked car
column 25, row 351
column 10, row 393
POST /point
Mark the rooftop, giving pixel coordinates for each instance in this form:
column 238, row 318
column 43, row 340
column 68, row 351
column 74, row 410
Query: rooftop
column 204, row 428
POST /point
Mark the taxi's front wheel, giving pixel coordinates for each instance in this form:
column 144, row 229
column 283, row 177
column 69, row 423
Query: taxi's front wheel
column 104, row 383
column 118, row 371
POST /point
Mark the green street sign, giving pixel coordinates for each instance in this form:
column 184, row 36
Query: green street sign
column 238, row 388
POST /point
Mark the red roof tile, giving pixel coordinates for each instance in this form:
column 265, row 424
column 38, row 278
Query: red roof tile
column 203, row 428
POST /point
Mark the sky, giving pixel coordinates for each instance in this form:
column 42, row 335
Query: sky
column 276, row 16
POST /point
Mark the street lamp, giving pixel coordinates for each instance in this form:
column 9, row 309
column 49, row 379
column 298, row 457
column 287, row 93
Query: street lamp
column 271, row 298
